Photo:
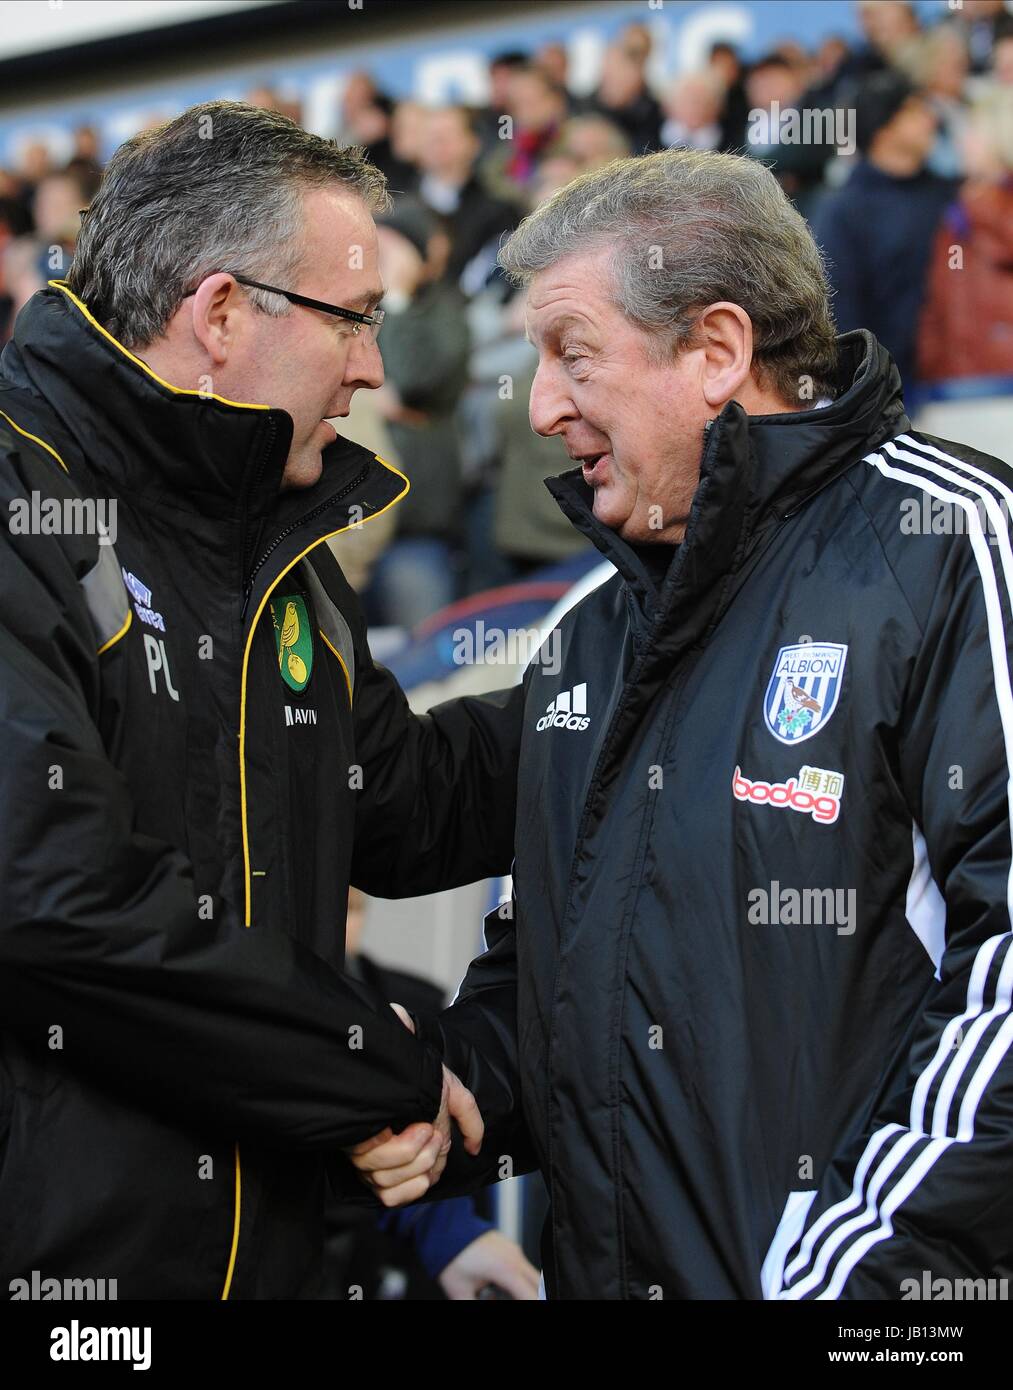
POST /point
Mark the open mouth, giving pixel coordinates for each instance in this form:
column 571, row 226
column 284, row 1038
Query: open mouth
column 592, row 465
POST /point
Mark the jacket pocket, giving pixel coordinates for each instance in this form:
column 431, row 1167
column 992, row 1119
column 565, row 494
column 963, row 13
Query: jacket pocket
column 790, row 1226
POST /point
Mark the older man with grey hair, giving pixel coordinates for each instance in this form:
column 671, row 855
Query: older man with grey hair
column 199, row 752
column 749, row 1009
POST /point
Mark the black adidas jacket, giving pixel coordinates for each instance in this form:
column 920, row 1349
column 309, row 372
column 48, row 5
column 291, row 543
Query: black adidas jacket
column 198, row 756
column 752, row 1014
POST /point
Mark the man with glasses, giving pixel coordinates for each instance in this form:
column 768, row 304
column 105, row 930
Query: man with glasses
column 199, row 752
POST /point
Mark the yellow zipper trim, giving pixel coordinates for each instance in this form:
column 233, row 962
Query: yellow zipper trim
column 61, row 285
column 235, row 1230
column 36, row 440
column 114, row 639
column 341, row 659
column 247, row 880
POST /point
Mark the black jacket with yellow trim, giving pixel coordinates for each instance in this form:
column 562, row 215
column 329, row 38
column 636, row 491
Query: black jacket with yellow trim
column 199, row 755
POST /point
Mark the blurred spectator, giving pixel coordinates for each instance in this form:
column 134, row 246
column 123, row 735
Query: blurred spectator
column 889, row 27
column 1002, row 61
column 86, row 145
column 624, row 97
column 982, row 23
column 358, row 548
column 877, row 231
column 798, row 57
column 359, row 91
column 635, row 41
column 830, row 57
column 775, row 87
column 938, row 65
column 552, row 60
column 425, row 354
column 487, row 119
column 555, row 170
column 22, row 271
column 967, row 326
column 370, row 125
column 589, row 142
column 56, row 210
column 34, row 164
column 263, row 96
column 692, row 106
column 406, row 131
column 830, row 62
column 84, row 160
column 726, row 64
column 529, row 528
column 537, row 108
column 449, row 185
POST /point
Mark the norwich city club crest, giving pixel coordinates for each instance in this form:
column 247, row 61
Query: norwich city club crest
column 293, row 638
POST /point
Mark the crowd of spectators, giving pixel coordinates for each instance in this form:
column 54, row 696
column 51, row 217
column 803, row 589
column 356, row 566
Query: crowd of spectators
column 904, row 169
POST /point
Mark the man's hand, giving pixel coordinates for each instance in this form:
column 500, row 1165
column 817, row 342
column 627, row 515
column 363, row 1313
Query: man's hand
column 491, row 1259
column 401, row 1168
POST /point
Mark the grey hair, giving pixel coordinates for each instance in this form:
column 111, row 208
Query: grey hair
column 688, row 228
column 217, row 188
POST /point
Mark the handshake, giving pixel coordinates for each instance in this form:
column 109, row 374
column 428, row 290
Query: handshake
column 401, row 1168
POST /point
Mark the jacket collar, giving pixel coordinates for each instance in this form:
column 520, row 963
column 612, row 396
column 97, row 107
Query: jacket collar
column 219, row 457
column 756, row 471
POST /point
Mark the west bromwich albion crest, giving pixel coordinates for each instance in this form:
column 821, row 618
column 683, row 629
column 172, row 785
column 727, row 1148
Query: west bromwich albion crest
column 293, row 637
column 804, row 689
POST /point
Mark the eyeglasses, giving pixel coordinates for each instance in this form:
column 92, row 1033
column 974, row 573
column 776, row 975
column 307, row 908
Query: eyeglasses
column 373, row 320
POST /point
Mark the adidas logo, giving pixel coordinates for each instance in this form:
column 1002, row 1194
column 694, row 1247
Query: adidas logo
column 567, row 711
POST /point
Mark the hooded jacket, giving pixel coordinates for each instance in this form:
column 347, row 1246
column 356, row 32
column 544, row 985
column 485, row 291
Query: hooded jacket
column 198, row 756
column 749, row 1010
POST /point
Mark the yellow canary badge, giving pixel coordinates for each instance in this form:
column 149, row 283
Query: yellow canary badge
column 293, row 637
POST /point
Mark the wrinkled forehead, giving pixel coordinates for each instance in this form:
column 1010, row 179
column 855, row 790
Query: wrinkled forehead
column 573, row 292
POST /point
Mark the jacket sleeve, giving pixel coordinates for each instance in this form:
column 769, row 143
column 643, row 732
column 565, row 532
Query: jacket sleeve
column 100, row 938
column 478, row 1039
column 438, row 791
column 925, row 1186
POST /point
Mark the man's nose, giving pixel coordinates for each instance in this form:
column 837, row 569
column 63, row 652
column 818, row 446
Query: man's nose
column 548, row 405
column 365, row 365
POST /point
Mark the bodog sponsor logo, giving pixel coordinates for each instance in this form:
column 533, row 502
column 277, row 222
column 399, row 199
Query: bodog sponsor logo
column 824, row 808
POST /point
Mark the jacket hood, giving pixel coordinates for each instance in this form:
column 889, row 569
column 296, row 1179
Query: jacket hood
column 756, row 470
column 223, row 457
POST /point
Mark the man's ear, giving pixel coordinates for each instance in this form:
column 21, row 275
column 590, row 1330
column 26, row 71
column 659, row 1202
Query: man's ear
column 724, row 339
column 216, row 309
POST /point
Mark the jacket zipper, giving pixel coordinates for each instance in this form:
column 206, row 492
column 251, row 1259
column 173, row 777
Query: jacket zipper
column 283, row 535
column 258, row 474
